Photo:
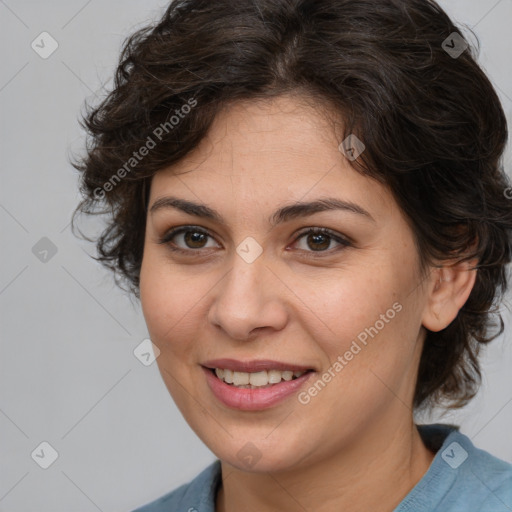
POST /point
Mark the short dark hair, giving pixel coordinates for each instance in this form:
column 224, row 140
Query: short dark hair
column 431, row 121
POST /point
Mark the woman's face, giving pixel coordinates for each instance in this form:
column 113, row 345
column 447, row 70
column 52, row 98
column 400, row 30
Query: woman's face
column 250, row 285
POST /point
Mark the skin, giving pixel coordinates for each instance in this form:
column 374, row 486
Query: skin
column 354, row 446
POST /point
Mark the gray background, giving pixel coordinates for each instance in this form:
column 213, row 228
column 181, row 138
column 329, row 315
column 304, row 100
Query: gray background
column 68, row 374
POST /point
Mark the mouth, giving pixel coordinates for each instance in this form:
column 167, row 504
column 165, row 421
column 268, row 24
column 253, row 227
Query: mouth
column 255, row 380
column 255, row 385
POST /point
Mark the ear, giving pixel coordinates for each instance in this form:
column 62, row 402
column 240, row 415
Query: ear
column 449, row 289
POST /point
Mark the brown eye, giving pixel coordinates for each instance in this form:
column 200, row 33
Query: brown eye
column 187, row 239
column 321, row 240
column 195, row 239
column 318, row 241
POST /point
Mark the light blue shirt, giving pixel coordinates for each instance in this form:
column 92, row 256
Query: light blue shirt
column 461, row 478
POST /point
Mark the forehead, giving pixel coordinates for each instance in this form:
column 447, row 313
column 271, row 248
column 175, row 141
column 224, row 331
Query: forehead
column 287, row 124
column 262, row 151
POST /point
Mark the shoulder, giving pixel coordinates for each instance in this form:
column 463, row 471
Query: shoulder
column 463, row 477
column 198, row 495
column 488, row 478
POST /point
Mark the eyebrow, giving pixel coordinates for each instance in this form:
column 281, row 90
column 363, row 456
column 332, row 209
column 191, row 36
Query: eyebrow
column 283, row 214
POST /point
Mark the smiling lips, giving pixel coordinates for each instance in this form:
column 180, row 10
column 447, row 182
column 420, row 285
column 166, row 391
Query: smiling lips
column 255, row 365
column 253, row 374
column 253, row 385
column 255, row 380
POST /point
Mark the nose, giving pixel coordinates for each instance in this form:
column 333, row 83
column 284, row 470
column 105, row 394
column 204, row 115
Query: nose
column 248, row 299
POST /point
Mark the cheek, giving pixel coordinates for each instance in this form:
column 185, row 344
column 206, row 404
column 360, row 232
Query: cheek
column 344, row 307
column 161, row 296
column 368, row 319
column 172, row 303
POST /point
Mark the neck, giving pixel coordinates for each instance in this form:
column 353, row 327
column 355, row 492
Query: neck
column 375, row 472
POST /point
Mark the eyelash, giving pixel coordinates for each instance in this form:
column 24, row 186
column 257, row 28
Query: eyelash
column 166, row 239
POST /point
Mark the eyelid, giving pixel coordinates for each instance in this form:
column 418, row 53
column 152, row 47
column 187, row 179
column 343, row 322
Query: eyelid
column 178, row 230
column 342, row 240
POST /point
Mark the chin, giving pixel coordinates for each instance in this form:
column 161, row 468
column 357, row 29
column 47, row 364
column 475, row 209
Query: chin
column 262, row 456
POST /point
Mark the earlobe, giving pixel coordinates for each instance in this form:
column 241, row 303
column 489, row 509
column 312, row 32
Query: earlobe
column 449, row 290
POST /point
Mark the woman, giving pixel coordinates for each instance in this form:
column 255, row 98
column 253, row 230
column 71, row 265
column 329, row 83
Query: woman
column 307, row 199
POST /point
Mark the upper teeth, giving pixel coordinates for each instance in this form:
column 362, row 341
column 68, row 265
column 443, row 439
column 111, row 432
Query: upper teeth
column 262, row 378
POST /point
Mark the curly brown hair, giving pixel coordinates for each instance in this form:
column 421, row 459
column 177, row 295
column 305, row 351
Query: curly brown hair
column 431, row 121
